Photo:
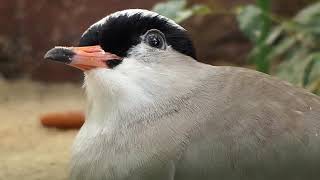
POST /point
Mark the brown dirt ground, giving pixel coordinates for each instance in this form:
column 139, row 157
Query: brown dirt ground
column 28, row 150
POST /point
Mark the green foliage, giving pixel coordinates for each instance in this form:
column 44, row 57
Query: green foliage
column 249, row 22
column 178, row 11
column 293, row 41
column 261, row 59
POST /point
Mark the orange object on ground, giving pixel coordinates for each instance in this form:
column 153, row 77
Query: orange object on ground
column 63, row 120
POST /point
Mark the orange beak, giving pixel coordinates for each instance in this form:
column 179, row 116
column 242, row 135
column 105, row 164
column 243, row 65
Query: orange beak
column 84, row 58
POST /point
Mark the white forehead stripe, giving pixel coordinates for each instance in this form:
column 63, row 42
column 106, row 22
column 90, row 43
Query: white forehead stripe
column 143, row 12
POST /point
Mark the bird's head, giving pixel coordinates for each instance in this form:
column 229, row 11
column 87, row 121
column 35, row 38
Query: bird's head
column 132, row 52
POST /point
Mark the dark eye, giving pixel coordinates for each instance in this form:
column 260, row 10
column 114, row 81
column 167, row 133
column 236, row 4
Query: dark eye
column 155, row 38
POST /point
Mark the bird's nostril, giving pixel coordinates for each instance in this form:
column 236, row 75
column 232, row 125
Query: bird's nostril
column 113, row 63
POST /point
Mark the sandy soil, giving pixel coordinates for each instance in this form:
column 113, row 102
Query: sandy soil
column 29, row 151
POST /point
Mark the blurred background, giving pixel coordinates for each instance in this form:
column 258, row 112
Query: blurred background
column 278, row 37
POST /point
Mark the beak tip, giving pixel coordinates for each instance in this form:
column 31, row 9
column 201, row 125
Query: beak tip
column 59, row 54
column 48, row 56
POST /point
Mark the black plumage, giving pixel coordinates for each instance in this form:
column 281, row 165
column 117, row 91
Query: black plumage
column 118, row 34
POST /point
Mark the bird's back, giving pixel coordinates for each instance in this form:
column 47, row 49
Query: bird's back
column 251, row 126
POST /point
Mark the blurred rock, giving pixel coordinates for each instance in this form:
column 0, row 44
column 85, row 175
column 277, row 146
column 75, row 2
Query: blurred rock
column 218, row 38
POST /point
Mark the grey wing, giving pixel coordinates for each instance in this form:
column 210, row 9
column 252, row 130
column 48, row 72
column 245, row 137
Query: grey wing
column 253, row 127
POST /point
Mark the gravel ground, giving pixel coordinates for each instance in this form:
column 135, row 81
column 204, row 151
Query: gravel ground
column 28, row 150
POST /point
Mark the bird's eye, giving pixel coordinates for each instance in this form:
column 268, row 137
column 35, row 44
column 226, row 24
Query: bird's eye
column 155, row 38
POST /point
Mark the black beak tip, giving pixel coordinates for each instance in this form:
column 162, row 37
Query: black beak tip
column 60, row 54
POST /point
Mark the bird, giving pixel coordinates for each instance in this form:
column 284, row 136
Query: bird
column 154, row 112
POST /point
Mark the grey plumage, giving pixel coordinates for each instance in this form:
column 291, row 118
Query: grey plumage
column 233, row 124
